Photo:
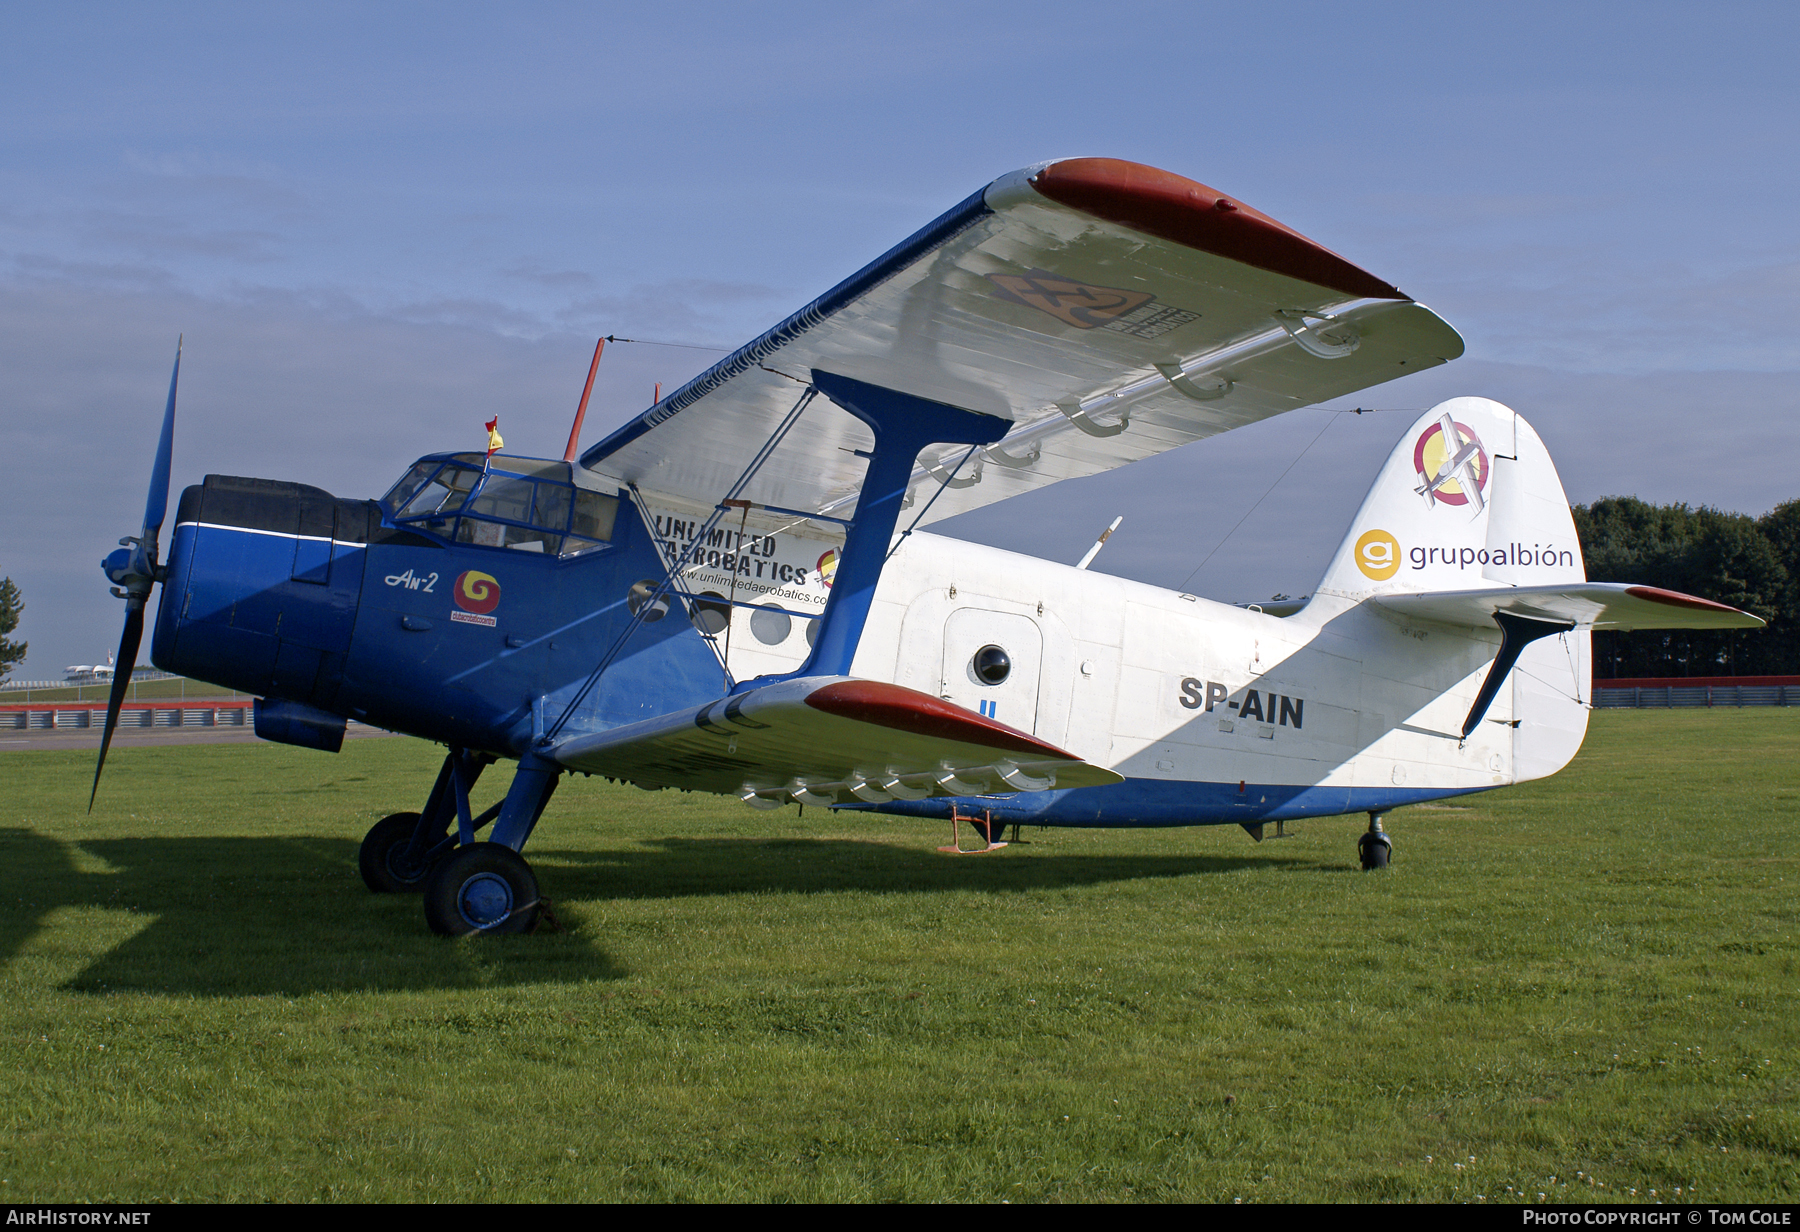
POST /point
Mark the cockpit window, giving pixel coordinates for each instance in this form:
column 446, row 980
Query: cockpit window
column 502, row 508
column 593, row 524
column 506, row 535
column 408, row 486
column 443, row 494
column 552, row 507
column 502, row 496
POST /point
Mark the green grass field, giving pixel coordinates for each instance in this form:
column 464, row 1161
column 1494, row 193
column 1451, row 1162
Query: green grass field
column 1586, row 988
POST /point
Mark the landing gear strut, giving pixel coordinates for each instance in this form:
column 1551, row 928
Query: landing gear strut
column 468, row 887
column 401, row 849
column 1374, row 847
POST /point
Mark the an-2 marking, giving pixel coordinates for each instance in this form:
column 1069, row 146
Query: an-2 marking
column 424, row 582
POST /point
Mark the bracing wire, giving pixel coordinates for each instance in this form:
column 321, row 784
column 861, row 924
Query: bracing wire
column 1258, row 504
column 686, row 346
column 681, row 563
column 928, row 504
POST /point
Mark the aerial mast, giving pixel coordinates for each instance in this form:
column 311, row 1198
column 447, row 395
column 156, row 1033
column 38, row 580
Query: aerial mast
column 581, row 411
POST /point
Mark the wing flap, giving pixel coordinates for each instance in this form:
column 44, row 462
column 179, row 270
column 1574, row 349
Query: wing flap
column 829, row 739
column 1589, row 605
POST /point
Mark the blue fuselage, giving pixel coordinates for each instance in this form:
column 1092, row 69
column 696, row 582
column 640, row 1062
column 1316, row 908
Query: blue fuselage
column 286, row 592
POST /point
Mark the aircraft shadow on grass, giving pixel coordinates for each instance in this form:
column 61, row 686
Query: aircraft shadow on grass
column 287, row 916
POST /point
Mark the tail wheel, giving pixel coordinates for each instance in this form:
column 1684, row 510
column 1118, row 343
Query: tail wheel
column 482, row 888
column 1376, row 850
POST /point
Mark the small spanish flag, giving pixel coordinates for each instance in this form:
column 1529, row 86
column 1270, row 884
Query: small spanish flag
column 494, row 441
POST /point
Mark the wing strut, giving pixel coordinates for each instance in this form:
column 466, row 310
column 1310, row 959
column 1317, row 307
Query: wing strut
column 903, row 425
column 674, row 572
column 1516, row 633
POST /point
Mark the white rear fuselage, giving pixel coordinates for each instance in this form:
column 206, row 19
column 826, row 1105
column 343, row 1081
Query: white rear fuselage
column 1172, row 688
column 1219, row 713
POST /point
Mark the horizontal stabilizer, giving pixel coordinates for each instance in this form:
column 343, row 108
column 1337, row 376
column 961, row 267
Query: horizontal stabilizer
column 1586, row 605
column 829, row 740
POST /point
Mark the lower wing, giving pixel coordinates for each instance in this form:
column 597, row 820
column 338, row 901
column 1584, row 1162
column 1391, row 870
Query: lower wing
column 826, row 740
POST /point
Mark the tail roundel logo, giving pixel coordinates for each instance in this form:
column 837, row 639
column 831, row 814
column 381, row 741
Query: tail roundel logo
column 476, row 592
column 1452, row 465
column 1378, row 555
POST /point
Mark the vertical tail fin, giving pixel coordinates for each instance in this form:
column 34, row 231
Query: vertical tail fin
column 1468, row 499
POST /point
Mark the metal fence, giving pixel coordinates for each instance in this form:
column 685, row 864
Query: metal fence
column 1638, row 697
column 50, row 715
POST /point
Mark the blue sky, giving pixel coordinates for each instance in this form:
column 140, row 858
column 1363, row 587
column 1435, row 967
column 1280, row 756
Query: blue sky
column 380, row 225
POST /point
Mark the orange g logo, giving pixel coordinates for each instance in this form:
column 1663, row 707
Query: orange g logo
column 1378, row 555
column 476, row 592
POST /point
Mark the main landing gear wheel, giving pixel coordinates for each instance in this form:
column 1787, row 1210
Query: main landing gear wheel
column 1374, row 847
column 382, row 860
column 482, row 888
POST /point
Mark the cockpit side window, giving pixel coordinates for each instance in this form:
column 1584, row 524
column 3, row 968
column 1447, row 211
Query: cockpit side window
column 592, row 526
column 506, row 535
column 502, row 496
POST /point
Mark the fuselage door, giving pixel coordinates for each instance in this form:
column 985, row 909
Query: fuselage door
column 992, row 664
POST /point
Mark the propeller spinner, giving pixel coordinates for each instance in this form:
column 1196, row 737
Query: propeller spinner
column 134, row 570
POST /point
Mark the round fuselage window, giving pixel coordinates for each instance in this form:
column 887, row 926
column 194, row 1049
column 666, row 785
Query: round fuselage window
column 991, row 665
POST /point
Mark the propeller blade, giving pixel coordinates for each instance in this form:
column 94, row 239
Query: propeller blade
column 122, row 669
column 158, row 504
column 135, row 572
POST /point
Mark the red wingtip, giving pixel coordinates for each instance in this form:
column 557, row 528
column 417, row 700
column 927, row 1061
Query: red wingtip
column 892, row 705
column 1674, row 598
column 1187, row 212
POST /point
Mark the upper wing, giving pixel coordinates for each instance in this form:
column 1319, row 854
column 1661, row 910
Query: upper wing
column 1109, row 310
column 817, row 738
column 1587, row 605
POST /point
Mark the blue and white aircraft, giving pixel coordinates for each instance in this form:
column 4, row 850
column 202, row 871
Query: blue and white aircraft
column 728, row 593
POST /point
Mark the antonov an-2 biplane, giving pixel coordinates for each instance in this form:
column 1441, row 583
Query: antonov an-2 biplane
column 726, row 595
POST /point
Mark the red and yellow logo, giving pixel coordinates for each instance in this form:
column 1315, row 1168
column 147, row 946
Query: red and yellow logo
column 1454, row 468
column 476, row 592
column 1378, row 555
column 827, row 567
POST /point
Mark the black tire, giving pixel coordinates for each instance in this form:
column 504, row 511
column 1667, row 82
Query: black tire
column 483, row 888
column 1375, row 850
column 382, row 858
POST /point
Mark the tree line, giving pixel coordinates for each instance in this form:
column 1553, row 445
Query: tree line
column 1750, row 563
column 12, row 606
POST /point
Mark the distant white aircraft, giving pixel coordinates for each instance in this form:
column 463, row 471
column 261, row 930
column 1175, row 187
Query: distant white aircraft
column 89, row 673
